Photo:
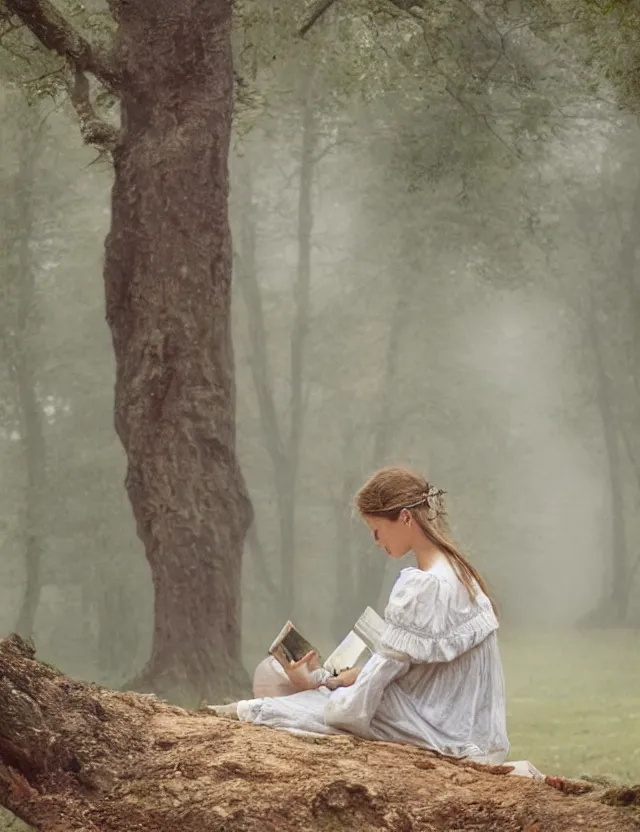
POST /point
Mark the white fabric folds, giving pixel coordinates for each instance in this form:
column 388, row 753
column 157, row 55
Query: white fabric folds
column 436, row 680
column 431, row 618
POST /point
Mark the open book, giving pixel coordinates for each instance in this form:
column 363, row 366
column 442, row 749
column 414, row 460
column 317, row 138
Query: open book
column 353, row 651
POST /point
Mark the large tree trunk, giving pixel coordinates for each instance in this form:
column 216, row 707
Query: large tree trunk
column 77, row 757
column 168, row 292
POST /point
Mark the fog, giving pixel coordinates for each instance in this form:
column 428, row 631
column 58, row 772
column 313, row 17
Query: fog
column 423, row 275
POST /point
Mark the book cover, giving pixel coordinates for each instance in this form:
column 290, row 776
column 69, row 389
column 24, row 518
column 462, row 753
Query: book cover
column 290, row 645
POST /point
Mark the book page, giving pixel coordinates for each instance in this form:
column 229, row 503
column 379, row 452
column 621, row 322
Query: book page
column 290, row 646
column 351, row 652
column 370, row 627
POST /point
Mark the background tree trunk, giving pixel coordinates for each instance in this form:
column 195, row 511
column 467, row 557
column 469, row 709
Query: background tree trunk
column 282, row 438
column 77, row 757
column 168, row 291
column 615, row 603
column 21, row 353
column 370, row 565
column 246, row 271
column 299, row 332
column 613, row 606
column 344, row 609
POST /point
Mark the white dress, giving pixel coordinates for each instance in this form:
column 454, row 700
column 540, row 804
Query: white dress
column 436, row 680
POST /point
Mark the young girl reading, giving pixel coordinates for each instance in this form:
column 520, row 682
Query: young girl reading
column 436, row 678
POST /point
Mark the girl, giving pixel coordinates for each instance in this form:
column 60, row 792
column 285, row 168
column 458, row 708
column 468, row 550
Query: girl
column 436, row 679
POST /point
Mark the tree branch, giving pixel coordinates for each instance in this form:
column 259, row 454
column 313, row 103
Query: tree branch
column 325, row 151
column 318, row 9
column 56, row 34
column 94, row 129
column 114, row 8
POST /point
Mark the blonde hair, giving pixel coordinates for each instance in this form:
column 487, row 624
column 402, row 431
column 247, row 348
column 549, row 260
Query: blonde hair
column 391, row 490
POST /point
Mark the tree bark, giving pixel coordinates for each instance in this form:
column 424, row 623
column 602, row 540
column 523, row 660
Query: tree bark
column 75, row 757
column 57, row 35
column 168, row 292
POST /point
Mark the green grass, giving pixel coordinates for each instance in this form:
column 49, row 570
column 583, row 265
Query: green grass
column 574, row 702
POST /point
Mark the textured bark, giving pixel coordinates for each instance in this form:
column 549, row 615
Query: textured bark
column 55, row 33
column 168, row 292
column 74, row 757
column 167, row 283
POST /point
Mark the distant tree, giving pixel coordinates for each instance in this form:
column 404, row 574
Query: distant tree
column 18, row 345
column 613, row 304
column 283, row 431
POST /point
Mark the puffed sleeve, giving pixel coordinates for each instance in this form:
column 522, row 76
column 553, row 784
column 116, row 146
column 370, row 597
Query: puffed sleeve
column 428, row 619
column 432, row 619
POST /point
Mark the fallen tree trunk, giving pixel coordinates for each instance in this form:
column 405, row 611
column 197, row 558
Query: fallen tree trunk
column 74, row 756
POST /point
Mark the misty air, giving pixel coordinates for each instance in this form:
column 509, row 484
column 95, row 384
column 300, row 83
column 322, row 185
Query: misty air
column 319, row 415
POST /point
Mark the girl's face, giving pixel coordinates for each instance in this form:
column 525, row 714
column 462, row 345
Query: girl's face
column 394, row 536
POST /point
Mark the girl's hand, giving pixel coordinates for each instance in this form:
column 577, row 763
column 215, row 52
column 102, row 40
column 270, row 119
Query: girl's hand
column 344, row 679
column 299, row 672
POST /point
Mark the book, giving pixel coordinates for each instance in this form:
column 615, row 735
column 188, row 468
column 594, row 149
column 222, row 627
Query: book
column 353, row 651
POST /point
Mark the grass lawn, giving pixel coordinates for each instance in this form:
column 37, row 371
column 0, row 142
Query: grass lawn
column 574, row 702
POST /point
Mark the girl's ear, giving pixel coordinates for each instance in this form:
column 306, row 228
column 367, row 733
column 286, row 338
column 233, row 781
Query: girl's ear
column 405, row 516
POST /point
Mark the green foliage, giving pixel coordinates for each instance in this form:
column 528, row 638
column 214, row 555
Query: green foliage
column 25, row 61
column 43, row 75
column 604, row 35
